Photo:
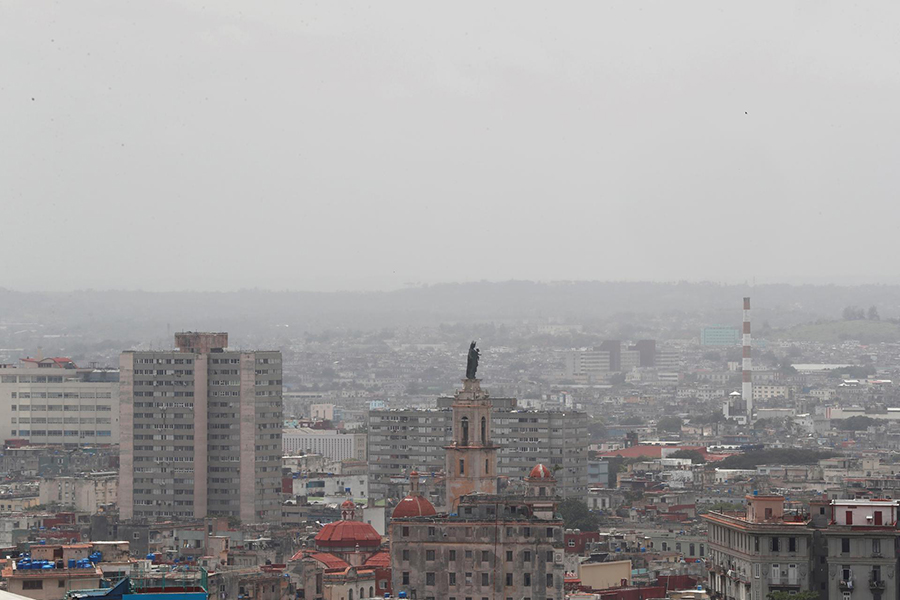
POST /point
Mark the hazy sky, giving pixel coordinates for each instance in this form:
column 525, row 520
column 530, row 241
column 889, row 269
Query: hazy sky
column 334, row 145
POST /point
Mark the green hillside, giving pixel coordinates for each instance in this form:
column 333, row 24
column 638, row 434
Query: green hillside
column 868, row 332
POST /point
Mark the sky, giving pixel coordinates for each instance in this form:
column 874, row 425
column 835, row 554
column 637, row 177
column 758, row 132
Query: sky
column 223, row 145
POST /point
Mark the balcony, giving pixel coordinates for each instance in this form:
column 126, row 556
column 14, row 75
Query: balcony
column 846, row 585
column 876, row 585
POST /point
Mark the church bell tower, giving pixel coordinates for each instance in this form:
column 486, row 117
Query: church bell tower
column 471, row 457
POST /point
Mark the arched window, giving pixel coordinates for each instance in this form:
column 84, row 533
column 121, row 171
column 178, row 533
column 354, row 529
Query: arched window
column 483, row 430
column 362, row 593
column 464, row 438
column 542, row 491
column 371, row 592
column 349, row 594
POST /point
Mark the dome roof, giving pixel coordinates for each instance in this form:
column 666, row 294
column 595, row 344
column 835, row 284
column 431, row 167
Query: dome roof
column 348, row 504
column 348, row 534
column 540, row 472
column 413, row 506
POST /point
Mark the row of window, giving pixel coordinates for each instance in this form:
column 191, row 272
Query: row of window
column 61, row 408
column 431, row 579
column 66, row 433
column 527, row 555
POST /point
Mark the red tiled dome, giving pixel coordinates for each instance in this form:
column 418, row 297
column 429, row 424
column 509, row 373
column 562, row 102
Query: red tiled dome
column 413, row 506
column 348, row 534
column 540, row 472
column 348, row 504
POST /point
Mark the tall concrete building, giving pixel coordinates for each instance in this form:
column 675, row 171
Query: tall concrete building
column 200, row 432
column 414, row 438
column 53, row 401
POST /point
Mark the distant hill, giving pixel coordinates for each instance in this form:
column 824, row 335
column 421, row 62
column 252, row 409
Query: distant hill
column 675, row 309
column 868, row 332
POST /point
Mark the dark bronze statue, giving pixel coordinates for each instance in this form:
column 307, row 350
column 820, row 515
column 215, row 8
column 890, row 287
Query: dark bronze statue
column 472, row 362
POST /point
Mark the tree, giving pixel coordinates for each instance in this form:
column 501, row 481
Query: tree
column 857, row 423
column 694, row 455
column 873, row 313
column 597, row 429
column 853, row 313
column 792, row 596
column 575, row 515
column 669, row 425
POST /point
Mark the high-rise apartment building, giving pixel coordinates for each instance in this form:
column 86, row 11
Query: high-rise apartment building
column 200, row 432
column 53, row 401
column 414, row 438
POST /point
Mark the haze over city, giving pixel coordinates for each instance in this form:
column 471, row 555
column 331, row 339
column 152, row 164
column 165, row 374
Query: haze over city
column 317, row 300
column 322, row 146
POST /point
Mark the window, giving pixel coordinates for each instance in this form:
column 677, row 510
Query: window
column 429, row 555
column 509, row 580
column 453, row 556
column 549, row 580
column 62, row 583
column 526, row 556
column 406, row 532
column 775, row 544
column 485, row 579
column 405, row 577
column 429, row 579
column 485, row 556
column 845, row 545
column 452, row 578
column 549, row 532
column 876, row 573
column 406, row 555
column 756, row 570
column 526, row 531
column 526, row 579
column 462, row 467
column 33, row 585
column 549, row 556
column 846, row 573
column 431, row 531
column 792, row 544
column 468, row 552
column 876, row 546
column 468, row 579
column 756, row 543
column 509, row 556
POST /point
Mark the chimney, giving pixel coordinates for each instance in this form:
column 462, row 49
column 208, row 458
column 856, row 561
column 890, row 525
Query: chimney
column 747, row 364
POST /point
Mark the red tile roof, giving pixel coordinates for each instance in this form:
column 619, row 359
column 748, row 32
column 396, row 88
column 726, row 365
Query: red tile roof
column 329, row 561
column 379, row 559
column 346, row 534
column 413, row 506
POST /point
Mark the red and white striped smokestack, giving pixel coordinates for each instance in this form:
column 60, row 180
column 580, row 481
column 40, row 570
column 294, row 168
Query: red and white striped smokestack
column 747, row 363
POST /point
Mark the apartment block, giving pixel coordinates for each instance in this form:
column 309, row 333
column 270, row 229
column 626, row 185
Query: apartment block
column 330, row 443
column 200, row 432
column 839, row 549
column 405, row 439
column 53, row 401
column 758, row 551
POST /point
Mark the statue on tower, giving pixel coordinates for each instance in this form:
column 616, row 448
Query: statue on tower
column 472, row 362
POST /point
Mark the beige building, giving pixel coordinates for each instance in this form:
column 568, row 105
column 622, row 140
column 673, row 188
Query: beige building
column 17, row 503
column 89, row 493
column 200, row 432
column 605, row 575
column 53, row 401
